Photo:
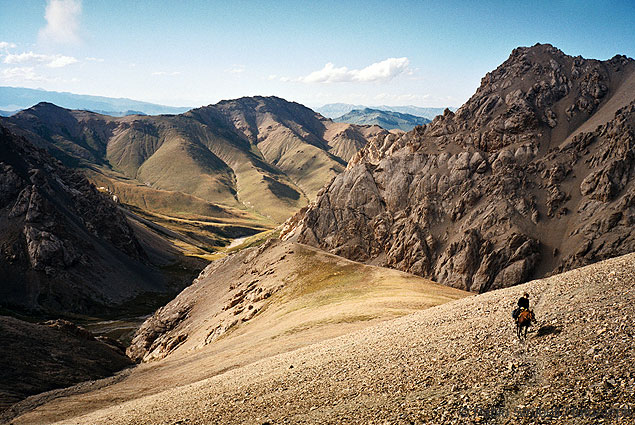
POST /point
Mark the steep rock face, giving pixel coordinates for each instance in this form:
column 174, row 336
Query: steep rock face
column 504, row 189
column 64, row 245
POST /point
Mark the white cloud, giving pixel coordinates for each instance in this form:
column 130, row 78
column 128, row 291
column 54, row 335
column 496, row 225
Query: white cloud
column 329, row 74
column 166, row 73
column 382, row 71
column 21, row 74
column 52, row 61
column 24, row 57
column 236, row 69
column 5, row 45
column 61, row 61
column 62, row 21
column 91, row 59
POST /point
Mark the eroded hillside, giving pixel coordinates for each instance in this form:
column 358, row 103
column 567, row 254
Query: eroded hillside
column 258, row 303
column 66, row 247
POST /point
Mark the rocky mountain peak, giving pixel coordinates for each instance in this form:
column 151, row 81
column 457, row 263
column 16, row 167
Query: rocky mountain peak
column 510, row 186
column 538, row 95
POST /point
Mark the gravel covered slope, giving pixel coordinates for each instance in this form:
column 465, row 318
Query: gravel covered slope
column 456, row 363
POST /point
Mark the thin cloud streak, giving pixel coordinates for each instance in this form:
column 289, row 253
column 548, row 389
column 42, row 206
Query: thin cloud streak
column 166, row 73
column 26, row 73
column 52, row 61
column 236, row 69
column 5, row 45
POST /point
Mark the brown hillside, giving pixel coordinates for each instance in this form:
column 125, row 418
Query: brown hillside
column 456, row 363
column 263, row 155
column 56, row 354
column 66, row 247
column 261, row 302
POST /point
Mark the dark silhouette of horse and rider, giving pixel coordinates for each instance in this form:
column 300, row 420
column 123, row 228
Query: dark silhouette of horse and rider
column 523, row 316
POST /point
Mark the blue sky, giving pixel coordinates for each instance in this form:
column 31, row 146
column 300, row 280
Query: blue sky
column 191, row 53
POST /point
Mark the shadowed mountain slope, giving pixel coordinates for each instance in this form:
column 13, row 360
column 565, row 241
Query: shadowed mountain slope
column 66, row 247
column 56, row 354
column 385, row 119
column 459, row 362
column 533, row 175
column 263, row 155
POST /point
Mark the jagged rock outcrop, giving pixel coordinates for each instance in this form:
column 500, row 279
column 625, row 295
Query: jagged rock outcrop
column 534, row 174
column 64, row 246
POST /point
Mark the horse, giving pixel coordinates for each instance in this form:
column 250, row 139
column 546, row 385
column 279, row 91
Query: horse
column 523, row 322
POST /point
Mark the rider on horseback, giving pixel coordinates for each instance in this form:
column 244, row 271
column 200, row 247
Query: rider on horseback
column 523, row 304
column 523, row 316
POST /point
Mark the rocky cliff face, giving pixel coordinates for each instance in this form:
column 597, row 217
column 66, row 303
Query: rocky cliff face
column 534, row 174
column 64, row 246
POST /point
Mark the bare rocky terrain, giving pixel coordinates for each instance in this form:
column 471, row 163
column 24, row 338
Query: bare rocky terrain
column 337, row 322
column 252, row 305
column 459, row 362
column 532, row 176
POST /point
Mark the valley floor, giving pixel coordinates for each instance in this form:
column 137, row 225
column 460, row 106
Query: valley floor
column 458, row 363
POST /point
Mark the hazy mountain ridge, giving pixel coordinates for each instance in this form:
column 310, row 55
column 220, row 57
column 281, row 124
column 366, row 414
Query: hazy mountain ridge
column 385, row 119
column 500, row 191
column 19, row 98
column 334, row 110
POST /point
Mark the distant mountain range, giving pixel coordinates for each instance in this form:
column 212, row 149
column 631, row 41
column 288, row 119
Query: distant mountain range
column 388, row 120
column 260, row 154
column 13, row 99
column 335, row 110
